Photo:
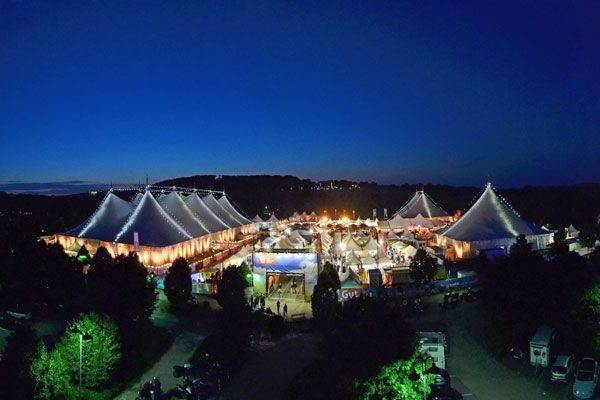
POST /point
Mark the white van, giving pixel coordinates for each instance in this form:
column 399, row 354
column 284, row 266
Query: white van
column 434, row 345
column 540, row 346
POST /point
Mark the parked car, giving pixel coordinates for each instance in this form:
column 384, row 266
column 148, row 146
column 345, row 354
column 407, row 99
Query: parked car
column 444, row 393
column 562, row 368
column 441, row 379
column 586, row 379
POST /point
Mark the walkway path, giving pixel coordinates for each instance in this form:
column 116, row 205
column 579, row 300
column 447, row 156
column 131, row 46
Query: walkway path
column 179, row 353
column 267, row 374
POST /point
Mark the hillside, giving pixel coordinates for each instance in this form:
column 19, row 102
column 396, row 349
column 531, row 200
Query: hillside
column 557, row 206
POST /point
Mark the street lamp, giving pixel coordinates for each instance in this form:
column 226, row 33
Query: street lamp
column 414, row 376
column 82, row 336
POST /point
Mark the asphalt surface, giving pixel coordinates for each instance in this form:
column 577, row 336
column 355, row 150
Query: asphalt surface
column 474, row 372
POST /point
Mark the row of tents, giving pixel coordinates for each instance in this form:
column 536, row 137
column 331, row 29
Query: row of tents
column 158, row 228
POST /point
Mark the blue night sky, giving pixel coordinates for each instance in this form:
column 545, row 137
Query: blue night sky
column 442, row 92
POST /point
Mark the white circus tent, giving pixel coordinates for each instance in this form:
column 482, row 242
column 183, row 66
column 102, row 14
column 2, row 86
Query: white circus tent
column 490, row 223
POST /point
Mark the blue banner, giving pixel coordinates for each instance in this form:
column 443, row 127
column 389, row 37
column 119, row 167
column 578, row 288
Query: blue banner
column 284, row 262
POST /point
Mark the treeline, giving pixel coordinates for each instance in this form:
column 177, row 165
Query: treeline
column 557, row 206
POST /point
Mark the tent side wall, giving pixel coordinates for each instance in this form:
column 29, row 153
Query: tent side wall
column 465, row 250
column 150, row 256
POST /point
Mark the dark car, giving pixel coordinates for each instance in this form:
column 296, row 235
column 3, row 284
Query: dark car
column 444, row 393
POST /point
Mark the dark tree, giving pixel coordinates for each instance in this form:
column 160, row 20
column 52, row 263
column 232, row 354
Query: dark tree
column 423, row 267
column 324, row 302
column 122, row 289
column 17, row 382
column 560, row 245
column 230, row 288
column 522, row 291
column 178, row 283
column 83, row 255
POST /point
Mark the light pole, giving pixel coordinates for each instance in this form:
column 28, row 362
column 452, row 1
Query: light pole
column 82, row 336
column 414, row 376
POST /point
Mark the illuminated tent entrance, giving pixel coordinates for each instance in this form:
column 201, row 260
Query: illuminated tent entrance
column 285, row 274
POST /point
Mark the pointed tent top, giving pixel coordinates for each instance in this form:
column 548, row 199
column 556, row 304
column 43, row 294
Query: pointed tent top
column 174, row 205
column 106, row 221
column 398, row 222
column 209, row 219
column 257, row 219
column 156, row 228
column 421, row 203
column 227, row 206
column 488, row 219
column 272, row 218
column 218, row 209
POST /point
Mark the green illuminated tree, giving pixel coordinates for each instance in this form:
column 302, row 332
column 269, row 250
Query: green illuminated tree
column 51, row 374
column 393, row 381
column 100, row 354
column 56, row 372
column 423, row 267
column 178, row 283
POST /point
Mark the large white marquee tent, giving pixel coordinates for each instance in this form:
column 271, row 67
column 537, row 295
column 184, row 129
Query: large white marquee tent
column 489, row 224
column 159, row 230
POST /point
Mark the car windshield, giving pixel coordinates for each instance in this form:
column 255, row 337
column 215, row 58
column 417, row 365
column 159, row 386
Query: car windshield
column 585, row 376
column 559, row 370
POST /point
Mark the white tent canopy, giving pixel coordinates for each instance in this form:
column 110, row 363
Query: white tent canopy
column 398, row 222
column 422, row 204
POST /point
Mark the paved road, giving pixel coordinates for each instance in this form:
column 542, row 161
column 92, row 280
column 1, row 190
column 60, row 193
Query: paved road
column 477, row 374
column 267, row 374
column 179, row 353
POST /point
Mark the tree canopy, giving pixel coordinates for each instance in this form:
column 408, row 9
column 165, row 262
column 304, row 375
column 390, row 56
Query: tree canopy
column 423, row 267
column 230, row 288
column 324, row 301
column 178, row 283
column 56, row 371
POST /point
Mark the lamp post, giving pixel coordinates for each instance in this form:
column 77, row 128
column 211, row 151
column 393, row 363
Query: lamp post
column 82, row 336
column 414, row 376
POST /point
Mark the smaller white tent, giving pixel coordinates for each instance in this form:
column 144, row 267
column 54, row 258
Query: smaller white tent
column 285, row 244
column 257, row 219
column 398, row 246
column 392, row 236
column 398, row 222
column 409, row 251
column 421, row 221
column 352, row 259
column 272, row 218
column 572, row 232
column 370, row 245
column 369, row 260
column 406, row 235
column 351, row 245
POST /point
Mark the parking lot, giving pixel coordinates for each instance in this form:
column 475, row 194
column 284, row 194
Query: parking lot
column 476, row 373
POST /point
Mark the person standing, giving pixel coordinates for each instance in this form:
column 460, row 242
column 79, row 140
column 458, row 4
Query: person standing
column 278, row 305
column 285, row 310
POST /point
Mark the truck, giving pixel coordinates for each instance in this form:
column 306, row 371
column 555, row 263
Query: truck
column 540, row 346
column 433, row 344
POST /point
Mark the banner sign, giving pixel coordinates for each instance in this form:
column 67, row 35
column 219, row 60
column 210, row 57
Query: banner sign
column 284, row 262
column 347, row 294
